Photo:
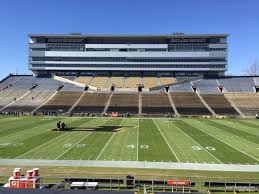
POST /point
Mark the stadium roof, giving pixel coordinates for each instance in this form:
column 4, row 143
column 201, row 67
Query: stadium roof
column 174, row 35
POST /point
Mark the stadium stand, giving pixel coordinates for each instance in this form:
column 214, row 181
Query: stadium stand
column 132, row 82
column 84, row 79
column 48, row 84
column 99, row 81
column 92, row 103
column 25, row 83
column 189, row 104
column 209, row 86
column 9, row 95
column 61, row 102
column 72, row 78
column 185, row 87
column 156, row 103
column 117, row 81
column 30, row 101
column 167, row 80
column 256, row 81
column 248, row 103
column 150, row 82
column 71, row 87
column 219, row 104
column 9, row 81
column 124, row 103
column 240, row 84
column 25, row 93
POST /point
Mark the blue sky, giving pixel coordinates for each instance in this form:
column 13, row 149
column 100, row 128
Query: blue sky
column 239, row 18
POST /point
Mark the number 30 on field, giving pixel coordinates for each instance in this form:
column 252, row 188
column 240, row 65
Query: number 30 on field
column 197, row 148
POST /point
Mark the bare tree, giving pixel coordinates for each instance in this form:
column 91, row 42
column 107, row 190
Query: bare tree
column 253, row 69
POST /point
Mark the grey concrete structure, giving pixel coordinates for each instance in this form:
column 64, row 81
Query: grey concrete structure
column 175, row 54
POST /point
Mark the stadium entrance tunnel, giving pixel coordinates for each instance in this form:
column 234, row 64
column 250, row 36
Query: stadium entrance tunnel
column 95, row 129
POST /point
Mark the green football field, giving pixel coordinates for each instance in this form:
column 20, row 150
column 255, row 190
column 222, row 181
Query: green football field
column 189, row 140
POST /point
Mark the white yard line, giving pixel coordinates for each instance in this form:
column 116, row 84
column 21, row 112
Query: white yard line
column 228, row 144
column 27, row 137
column 234, row 126
column 107, row 143
column 198, row 144
column 105, row 146
column 166, row 141
column 41, row 145
column 48, row 142
column 73, row 146
column 137, row 139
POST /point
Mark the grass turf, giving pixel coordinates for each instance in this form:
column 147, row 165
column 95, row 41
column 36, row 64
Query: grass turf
column 187, row 140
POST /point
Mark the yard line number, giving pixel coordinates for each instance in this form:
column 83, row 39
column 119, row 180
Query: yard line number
column 197, row 148
column 141, row 146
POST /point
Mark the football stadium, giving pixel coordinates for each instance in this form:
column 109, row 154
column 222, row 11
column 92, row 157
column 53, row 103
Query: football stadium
column 152, row 113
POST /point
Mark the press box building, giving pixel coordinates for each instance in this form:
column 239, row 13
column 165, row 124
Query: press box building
column 178, row 54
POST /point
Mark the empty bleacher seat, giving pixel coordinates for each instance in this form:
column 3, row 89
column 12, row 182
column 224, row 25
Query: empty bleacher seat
column 30, row 101
column 9, row 81
column 124, row 103
column 150, row 82
column 84, row 79
column 92, row 103
column 156, row 103
column 61, row 102
column 133, row 82
column 117, row 81
column 189, row 104
column 207, row 86
column 238, row 84
column 185, row 87
column 99, row 81
column 72, row 87
column 167, row 80
column 48, row 84
column 219, row 104
column 9, row 95
column 248, row 103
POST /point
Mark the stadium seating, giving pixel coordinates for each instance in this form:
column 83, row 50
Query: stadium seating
column 150, row 82
column 9, row 95
column 72, row 78
column 189, row 104
column 61, row 102
column 25, row 83
column 9, row 81
column 239, row 92
column 248, row 103
column 240, row 84
column 219, row 104
column 156, row 103
column 92, row 103
column 117, row 81
column 186, row 87
column 48, row 84
column 99, row 81
column 30, row 101
column 84, row 79
column 207, row 86
column 124, row 103
column 71, row 87
column 132, row 82
column 167, row 80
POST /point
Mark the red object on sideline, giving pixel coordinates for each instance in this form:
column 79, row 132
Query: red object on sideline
column 183, row 183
